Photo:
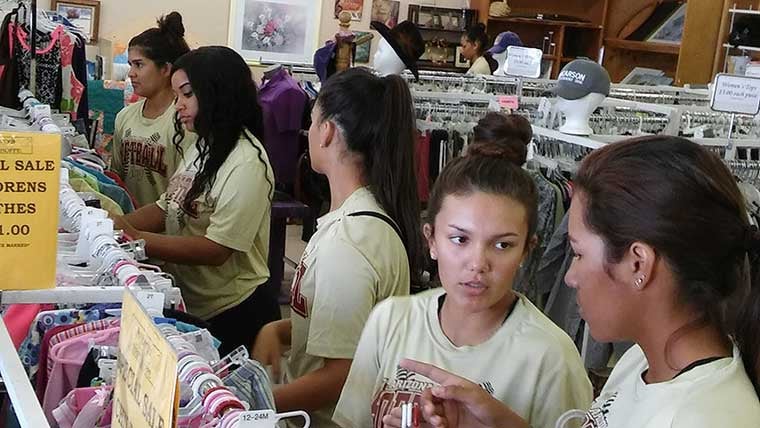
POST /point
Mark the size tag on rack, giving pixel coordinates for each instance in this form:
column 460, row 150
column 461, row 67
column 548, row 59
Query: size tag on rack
column 736, row 94
column 509, row 102
column 268, row 419
column 152, row 301
column 523, row 62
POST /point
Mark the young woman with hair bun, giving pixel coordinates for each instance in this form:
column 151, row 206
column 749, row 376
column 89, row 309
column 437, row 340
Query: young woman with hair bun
column 143, row 154
column 480, row 226
column 665, row 257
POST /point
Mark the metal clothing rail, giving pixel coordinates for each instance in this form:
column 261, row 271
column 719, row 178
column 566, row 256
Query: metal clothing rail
column 25, row 403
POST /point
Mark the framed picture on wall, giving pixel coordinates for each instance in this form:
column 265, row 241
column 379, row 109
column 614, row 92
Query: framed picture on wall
column 386, row 11
column 84, row 14
column 671, row 31
column 275, row 31
column 354, row 7
column 362, row 49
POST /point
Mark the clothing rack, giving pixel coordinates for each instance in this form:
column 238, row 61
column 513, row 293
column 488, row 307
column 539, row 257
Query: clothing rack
column 27, row 407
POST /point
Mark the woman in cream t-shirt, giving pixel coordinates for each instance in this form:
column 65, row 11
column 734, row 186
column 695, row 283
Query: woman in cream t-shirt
column 211, row 226
column 143, row 154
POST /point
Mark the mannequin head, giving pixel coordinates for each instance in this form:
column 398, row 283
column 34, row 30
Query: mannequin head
column 499, row 49
column 386, row 60
column 581, row 86
column 399, row 48
column 500, row 58
column 577, row 113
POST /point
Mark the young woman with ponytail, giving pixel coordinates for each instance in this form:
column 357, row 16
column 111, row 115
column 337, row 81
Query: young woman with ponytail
column 367, row 248
column 143, row 154
column 665, row 256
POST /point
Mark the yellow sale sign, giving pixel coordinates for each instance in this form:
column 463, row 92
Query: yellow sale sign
column 146, row 372
column 29, row 182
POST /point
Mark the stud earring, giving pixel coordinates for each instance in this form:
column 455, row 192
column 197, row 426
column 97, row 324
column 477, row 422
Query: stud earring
column 433, row 256
column 639, row 282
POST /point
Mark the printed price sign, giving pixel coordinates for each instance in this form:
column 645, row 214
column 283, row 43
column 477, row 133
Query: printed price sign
column 509, row 102
column 524, row 62
column 736, row 94
column 146, row 372
column 29, row 181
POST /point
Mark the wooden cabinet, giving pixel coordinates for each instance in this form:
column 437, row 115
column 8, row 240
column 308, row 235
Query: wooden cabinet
column 694, row 61
column 574, row 27
column 442, row 30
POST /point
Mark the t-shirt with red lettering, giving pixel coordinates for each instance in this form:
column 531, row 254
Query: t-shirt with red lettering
column 529, row 364
column 350, row 264
column 143, row 153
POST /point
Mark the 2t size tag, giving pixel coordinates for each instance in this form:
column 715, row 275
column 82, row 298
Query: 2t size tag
column 152, row 301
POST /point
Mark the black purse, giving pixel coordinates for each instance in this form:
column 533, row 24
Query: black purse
column 746, row 32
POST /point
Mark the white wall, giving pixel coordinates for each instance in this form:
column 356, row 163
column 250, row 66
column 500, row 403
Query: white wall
column 207, row 21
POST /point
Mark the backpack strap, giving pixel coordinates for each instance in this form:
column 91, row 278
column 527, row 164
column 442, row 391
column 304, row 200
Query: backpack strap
column 380, row 216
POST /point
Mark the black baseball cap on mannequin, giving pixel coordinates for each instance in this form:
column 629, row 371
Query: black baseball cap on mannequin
column 580, row 78
column 406, row 41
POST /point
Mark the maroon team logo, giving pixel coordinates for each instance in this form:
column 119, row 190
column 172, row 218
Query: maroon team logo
column 298, row 302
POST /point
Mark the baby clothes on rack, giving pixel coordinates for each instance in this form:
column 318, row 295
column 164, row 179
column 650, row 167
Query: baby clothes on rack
column 85, row 408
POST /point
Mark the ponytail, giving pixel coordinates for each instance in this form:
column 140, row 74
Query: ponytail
column 746, row 332
column 376, row 118
column 391, row 168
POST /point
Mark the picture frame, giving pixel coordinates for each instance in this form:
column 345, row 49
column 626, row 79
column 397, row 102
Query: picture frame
column 386, row 11
column 275, row 31
column 354, row 7
column 671, row 31
column 460, row 61
column 363, row 50
column 85, row 14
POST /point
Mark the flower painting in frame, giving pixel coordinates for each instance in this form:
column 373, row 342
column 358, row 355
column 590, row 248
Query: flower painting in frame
column 275, row 31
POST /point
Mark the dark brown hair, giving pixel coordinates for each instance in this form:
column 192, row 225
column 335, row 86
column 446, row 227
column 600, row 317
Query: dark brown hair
column 376, row 115
column 163, row 44
column 682, row 200
column 510, row 131
column 486, row 168
column 477, row 35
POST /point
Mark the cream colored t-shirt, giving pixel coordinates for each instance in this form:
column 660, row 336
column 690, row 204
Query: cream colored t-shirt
column 350, row 264
column 480, row 66
column 143, row 153
column 529, row 363
column 235, row 214
column 717, row 394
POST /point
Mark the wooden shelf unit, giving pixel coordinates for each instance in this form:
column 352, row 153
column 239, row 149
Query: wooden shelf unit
column 632, row 45
column 572, row 38
column 694, row 61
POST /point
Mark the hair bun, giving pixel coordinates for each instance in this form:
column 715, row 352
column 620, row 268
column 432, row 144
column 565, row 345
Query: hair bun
column 172, row 24
column 497, row 151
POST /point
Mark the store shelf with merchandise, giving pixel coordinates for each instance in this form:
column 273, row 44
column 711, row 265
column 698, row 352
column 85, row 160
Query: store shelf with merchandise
column 563, row 30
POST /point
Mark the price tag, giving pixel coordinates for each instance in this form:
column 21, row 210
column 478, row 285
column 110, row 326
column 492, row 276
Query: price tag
column 268, row 418
column 152, row 301
column 509, row 102
column 524, row 62
column 736, row 94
